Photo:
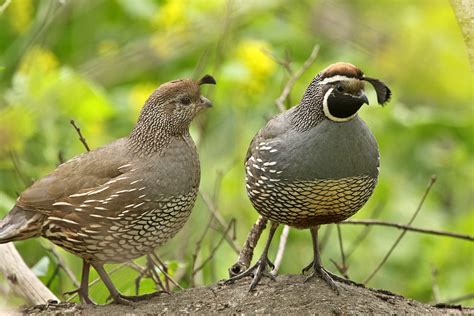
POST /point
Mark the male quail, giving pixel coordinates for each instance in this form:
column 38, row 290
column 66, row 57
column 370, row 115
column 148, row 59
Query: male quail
column 120, row 201
column 316, row 163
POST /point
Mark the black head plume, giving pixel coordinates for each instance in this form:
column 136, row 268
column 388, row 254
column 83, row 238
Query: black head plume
column 207, row 79
column 383, row 92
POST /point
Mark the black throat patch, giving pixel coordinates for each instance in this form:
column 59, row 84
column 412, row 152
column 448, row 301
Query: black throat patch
column 343, row 105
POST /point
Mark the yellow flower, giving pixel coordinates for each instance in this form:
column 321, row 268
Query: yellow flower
column 138, row 95
column 252, row 53
column 40, row 59
column 20, row 13
column 172, row 15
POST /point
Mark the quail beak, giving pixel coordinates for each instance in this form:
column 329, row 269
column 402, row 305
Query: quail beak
column 363, row 98
column 205, row 103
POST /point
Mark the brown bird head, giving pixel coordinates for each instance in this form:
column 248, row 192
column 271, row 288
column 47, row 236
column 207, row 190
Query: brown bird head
column 339, row 91
column 173, row 105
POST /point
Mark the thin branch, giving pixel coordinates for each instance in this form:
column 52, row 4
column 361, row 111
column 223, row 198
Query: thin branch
column 81, row 138
column 427, row 191
column 460, row 298
column 344, row 267
column 246, row 253
column 4, row 6
column 370, row 222
column 434, row 284
column 281, row 248
column 215, row 213
column 197, row 249
column 214, row 249
column 164, row 269
column 365, row 232
column 62, row 265
column 280, row 101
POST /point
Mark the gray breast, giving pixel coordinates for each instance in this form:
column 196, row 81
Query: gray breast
column 328, row 151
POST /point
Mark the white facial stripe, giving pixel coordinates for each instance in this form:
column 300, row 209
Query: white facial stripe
column 328, row 114
column 336, row 78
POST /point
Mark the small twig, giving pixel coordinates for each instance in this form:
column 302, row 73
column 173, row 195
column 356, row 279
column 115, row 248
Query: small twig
column 4, row 6
column 280, row 101
column 215, row 213
column 434, row 284
column 343, row 256
column 427, row 191
column 281, row 248
column 246, row 253
column 197, row 249
column 81, row 138
column 325, row 238
column 460, row 298
column 214, row 249
column 370, row 222
column 164, row 269
column 61, row 265
column 365, row 232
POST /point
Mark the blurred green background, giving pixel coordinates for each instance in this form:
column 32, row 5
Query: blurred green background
column 97, row 61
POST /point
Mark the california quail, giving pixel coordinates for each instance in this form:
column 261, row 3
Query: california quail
column 316, row 163
column 120, row 201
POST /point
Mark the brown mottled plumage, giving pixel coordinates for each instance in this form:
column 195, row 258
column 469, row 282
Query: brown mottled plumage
column 316, row 163
column 120, row 201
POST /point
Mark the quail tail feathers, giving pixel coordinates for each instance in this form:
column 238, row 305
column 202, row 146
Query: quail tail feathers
column 20, row 224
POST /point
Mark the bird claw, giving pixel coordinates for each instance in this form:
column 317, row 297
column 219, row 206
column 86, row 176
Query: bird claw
column 85, row 299
column 323, row 274
column 257, row 271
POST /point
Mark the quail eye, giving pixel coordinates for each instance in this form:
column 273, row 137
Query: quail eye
column 340, row 88
column 185, row 100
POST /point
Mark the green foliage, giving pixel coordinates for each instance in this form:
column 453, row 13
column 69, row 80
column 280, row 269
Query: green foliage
column 97, row 61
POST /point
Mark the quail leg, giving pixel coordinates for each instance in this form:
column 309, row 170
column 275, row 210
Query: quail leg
column 83, row 290
column 260, row 268
column 117, row 297
column 316, row 264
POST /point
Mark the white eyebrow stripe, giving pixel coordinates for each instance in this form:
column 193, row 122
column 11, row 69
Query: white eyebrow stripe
column 336, row 78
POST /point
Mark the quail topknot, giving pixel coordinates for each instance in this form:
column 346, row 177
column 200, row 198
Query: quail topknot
column 316, row 163
column 120, row 201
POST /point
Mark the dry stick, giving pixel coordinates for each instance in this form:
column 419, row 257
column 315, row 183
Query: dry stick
column 21, row 279
column 4, row 6
column 164, row 270
column 342, row 269
column 214, row 249
column 460, row 298
column 291, row 82
column 246, row 254
column 281, row 249
column 61, row 265
column 198, row 248
column 370, row 222
column 434, row 284
column 81, row 138
column 215, row 213
column 365, row 232
column 427, row 191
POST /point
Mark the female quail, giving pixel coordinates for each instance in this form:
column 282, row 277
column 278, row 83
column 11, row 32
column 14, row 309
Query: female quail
column 316, row 163
column 120, row 201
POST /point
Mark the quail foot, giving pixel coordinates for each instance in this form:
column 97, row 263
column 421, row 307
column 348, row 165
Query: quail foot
column 316, row 163
column 120, row 201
